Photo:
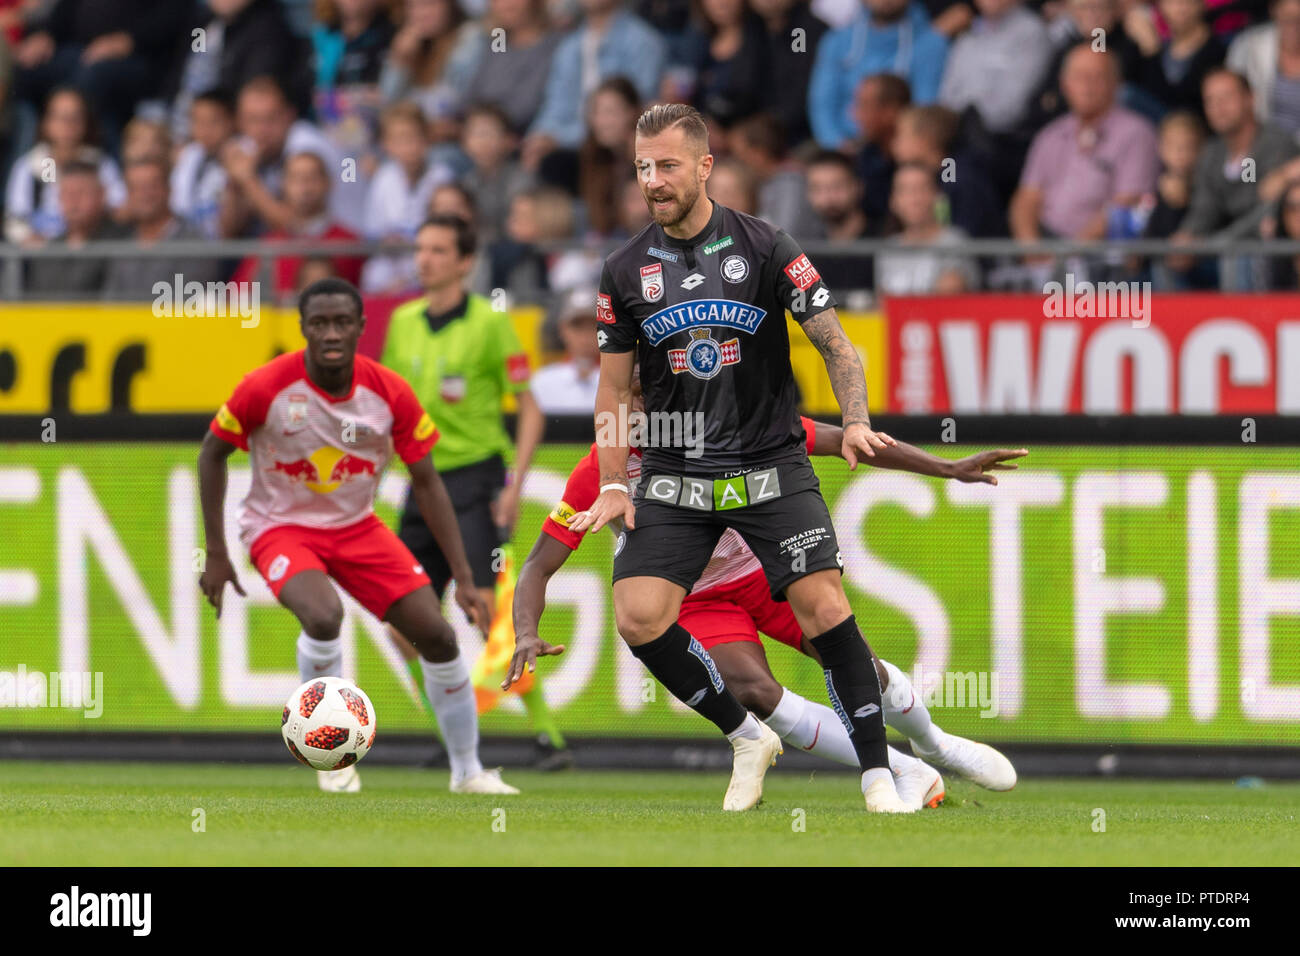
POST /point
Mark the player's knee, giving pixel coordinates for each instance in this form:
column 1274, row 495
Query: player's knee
column 436, row 641
column 639, row 625
column 323, row 623
column 757, row 693
column 827, row 617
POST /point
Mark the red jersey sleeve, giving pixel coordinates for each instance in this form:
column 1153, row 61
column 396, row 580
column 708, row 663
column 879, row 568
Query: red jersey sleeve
column 580, row 493
column 245, row 410
column 414, row 432
column 810, row 432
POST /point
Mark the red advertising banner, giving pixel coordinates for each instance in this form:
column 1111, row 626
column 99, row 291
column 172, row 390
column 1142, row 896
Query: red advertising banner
column 1094, row 348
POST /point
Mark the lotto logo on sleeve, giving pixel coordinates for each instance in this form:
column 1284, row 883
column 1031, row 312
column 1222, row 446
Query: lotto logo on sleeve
column 604, row 309
column 802, row 273
column 652, row 282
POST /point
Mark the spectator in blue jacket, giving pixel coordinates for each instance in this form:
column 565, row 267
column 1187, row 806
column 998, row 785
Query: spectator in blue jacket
column 610, row 42
column 886, row 36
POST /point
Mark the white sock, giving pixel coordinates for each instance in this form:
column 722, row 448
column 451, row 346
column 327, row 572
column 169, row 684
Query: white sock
column 907, row 713
column 748, row 728
column 319, row 658
column 812, row 727
column 818, row 729
column 452, row 697
column 876, row 773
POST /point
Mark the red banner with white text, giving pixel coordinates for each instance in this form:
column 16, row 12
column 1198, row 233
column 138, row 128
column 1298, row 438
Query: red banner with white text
column 1094, row 349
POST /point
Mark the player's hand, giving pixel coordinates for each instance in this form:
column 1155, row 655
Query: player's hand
column 609, row 506
column 860, row 442
column 217, row 570
column 528, row 648
column 975, row 467
column 471, row 602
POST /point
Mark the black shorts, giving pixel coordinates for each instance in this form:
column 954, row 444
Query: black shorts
column 471, row 490
column 790, row 532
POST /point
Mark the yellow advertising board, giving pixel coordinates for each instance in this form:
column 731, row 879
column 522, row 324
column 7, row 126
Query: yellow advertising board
column 94, row 357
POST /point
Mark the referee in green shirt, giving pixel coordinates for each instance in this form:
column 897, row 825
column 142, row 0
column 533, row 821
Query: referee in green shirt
column 463, row 357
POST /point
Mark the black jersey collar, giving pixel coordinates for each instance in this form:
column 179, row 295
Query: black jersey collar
column 715, row 222
column 440, row 320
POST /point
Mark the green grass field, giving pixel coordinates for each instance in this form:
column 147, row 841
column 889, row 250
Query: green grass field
column 77, row 814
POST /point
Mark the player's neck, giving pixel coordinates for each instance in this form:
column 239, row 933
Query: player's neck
column 694, row 222
column 335, row 382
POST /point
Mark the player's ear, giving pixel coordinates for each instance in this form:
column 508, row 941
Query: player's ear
column 706, row 167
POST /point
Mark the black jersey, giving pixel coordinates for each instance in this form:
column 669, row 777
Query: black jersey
column 707, row 316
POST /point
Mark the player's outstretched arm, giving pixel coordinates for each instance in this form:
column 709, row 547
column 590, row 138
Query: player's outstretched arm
column 904, row 457
column 613, row 405
column 849, row 384
column 435, row 508
column 547, row 557
column 217, row 569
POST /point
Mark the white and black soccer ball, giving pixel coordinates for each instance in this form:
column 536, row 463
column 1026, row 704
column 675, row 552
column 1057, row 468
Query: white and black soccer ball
column 328, row 723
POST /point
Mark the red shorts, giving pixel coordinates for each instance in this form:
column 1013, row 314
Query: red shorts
column 366, row 559
column 737, row 611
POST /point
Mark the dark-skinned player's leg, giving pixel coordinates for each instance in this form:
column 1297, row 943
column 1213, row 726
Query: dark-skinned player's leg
column 314, row 602
column 744, row 668
column 418, row 617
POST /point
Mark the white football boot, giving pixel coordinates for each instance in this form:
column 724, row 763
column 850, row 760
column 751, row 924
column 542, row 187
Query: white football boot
column 920, row 785
column 978, row 763
column 485, row 781
column 748, row 767
column 346, row 780
column 882, row 797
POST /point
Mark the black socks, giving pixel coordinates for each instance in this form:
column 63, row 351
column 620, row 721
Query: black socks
column 854, row 689
column 682, row 665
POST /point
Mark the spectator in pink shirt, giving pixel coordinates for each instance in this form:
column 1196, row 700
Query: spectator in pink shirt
column 1097, row 157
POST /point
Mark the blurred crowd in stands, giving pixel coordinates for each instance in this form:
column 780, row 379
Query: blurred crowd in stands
column 919, row 123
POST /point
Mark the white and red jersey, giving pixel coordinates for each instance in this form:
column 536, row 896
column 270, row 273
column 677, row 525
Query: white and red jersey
column 316, row 459
column 731, row 559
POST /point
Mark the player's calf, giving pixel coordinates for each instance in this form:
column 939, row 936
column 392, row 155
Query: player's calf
column 746, row 675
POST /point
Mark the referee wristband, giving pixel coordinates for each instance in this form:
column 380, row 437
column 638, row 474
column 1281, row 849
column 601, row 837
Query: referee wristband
column 613, row 485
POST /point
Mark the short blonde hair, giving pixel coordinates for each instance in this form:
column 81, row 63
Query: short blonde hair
column 664, row 116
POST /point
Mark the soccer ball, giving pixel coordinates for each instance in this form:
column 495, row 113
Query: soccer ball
column 328, row 723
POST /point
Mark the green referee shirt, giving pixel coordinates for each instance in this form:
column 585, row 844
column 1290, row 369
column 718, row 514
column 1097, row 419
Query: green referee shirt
column 461, row 364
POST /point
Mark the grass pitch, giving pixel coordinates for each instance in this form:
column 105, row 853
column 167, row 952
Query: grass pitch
column 87, row 814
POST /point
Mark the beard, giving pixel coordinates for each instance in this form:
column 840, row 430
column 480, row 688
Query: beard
column 683, row 203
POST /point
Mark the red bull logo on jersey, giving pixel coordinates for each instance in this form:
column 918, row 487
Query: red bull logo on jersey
column 340, row 467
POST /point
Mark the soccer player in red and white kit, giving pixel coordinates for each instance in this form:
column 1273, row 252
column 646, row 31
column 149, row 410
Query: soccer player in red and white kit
column 320, row 424
column 731, row 603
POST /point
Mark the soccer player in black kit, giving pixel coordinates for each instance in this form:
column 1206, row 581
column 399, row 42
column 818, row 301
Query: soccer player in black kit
column 700, row 296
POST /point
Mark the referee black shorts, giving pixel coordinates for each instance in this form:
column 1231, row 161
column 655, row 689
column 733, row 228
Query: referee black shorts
column 471, row 490
column 790, row 532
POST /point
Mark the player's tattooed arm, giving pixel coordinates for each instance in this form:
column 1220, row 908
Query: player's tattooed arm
column 843, row 366
column 849, row 383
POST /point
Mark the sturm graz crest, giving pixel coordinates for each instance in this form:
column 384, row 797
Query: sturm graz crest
column 704, row 357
